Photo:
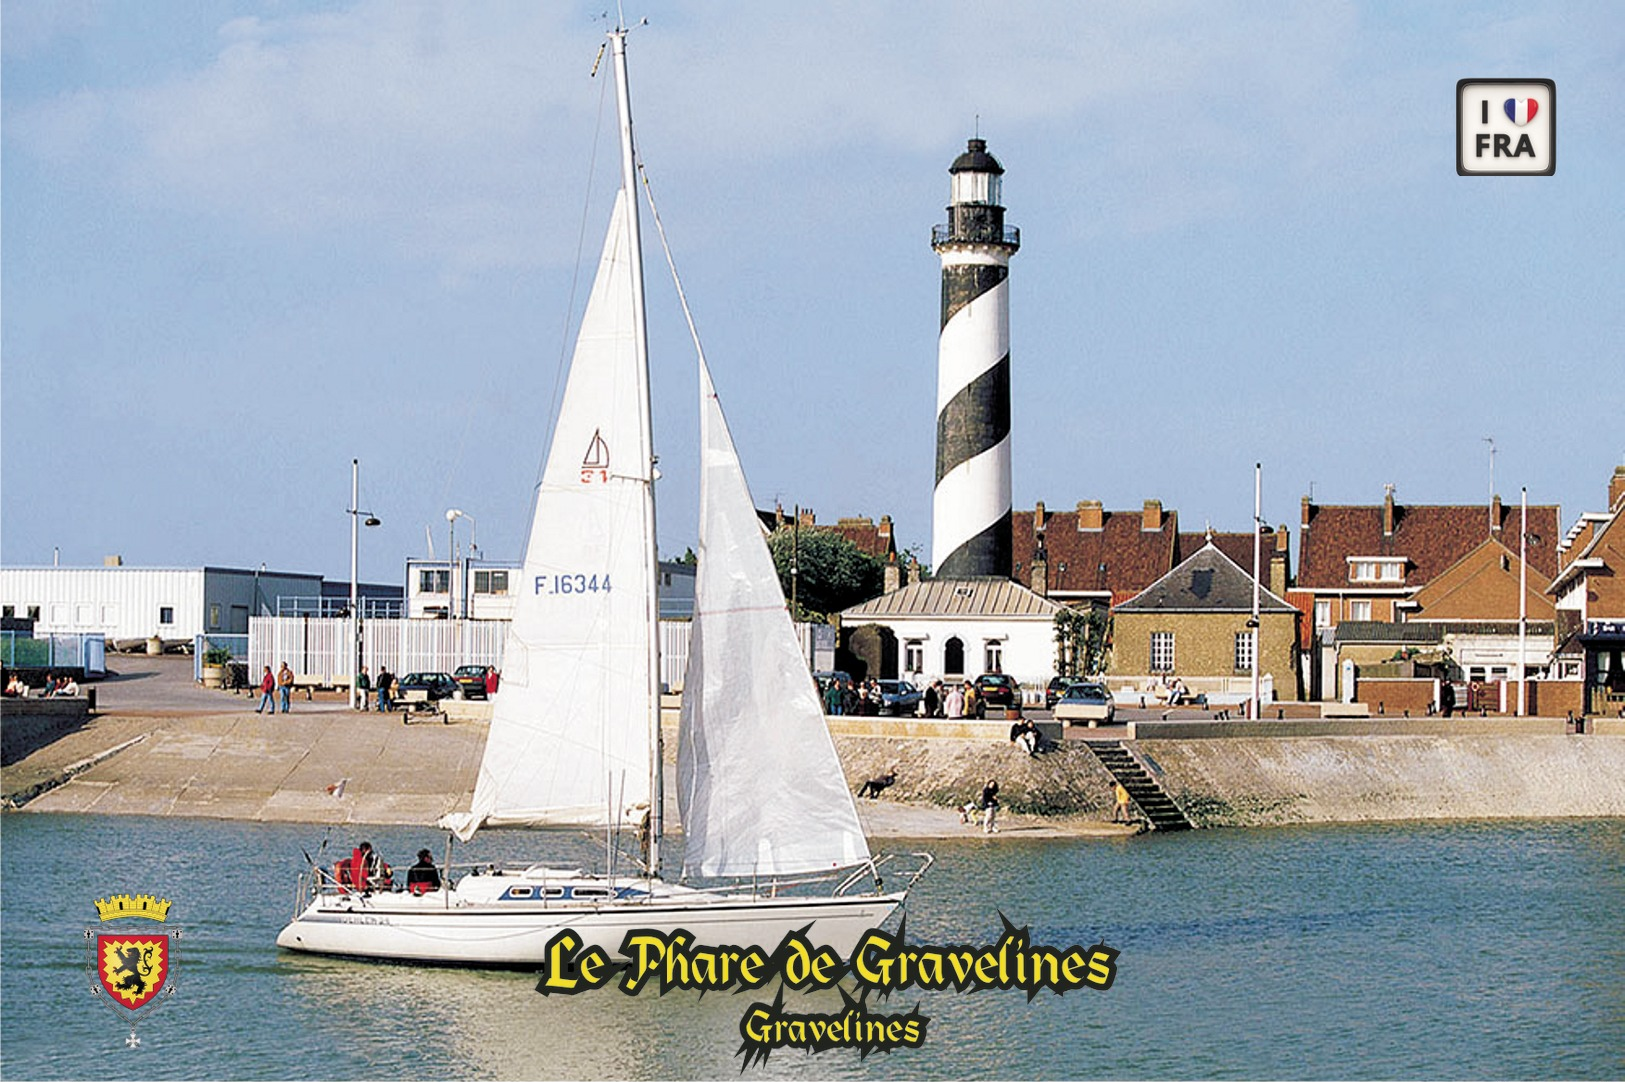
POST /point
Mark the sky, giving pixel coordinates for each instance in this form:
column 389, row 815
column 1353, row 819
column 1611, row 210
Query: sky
column 243, row 243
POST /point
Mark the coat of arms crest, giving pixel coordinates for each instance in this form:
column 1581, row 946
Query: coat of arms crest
column 132, row 968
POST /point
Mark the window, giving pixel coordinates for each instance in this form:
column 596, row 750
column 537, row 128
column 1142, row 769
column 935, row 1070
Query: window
column 109, row 615
column 166, row 614
column 953, row 657
column 914, row 655
column 1376, row 570
column 214, row 616
column 8, row 612
column 1244, row 650
column 1162, row 651
column 84, row 615
column 1359, row 610
column 1323, row 614
column 434, row 582
column 496, row 582
column 992, row 656
column 33, row 612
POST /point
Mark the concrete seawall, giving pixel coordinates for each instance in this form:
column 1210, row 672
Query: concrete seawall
column 244, row 766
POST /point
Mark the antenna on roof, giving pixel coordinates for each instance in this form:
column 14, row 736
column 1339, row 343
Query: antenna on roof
column 1491, row 441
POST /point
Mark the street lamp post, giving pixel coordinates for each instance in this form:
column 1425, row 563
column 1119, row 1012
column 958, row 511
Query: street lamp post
column 355, row 584
column 451, row 575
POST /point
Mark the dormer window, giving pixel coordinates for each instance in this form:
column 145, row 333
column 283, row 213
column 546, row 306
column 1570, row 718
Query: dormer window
column 1373, row 569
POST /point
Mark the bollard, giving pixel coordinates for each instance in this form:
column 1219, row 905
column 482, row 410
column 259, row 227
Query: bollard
column 90, row 699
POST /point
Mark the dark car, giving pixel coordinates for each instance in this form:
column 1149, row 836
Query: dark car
column 899, row 697
column 997, row 689
column 1057, row 688
column 471, row 679
column 430, row 686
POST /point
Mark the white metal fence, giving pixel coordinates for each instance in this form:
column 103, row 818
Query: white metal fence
column 320, row 649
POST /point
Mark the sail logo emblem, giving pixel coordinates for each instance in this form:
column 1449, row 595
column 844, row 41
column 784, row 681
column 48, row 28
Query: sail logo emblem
column 595, row 463
column 1506, row 127
column 133, row 970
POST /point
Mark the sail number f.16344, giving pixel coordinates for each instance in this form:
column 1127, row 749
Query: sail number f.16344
column 572, row 584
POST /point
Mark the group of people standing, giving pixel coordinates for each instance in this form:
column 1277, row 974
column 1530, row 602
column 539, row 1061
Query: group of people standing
column 384, row 685
column 951, row 701
column 279, row 684
column 843, row 697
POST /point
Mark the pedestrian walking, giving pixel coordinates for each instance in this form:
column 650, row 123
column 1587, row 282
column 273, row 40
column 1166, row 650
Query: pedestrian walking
column 284, row 684
column 990, row 806
column 267, row 687
column 1120, row 813
column 363, row 686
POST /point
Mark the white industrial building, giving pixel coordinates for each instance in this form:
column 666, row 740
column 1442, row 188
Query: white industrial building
column 131, row 604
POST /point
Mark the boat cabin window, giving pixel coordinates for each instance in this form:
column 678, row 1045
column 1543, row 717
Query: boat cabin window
column 592, row 892
column 519, row 892
column 553, row 892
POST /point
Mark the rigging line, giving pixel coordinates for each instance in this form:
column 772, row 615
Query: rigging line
column 575, row 278
column 660, row 228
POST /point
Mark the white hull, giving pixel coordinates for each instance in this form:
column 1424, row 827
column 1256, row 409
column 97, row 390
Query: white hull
column 494, row 931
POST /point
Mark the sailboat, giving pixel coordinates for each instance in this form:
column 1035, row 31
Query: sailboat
column 772, row 840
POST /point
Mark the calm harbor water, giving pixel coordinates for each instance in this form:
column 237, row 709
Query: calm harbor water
column 1456, row 950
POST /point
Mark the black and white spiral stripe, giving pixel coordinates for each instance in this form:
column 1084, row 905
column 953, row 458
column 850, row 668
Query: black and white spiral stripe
column 970, row 528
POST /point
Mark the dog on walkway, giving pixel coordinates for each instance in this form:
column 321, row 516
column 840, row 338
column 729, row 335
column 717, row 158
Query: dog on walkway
column 874, row 786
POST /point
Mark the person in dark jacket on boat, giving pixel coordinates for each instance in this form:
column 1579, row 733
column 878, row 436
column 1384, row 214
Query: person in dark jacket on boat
column 423, row 876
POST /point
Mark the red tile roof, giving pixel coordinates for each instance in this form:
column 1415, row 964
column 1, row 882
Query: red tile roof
column 1430, row 538
column 1120, row 556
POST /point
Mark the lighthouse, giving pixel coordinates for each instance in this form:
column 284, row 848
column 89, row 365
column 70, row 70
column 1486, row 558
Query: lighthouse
column 970, row 512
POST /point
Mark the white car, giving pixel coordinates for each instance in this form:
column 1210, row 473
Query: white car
column 1085, row 702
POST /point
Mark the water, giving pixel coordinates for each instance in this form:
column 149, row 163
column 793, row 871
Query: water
column 1462, row 950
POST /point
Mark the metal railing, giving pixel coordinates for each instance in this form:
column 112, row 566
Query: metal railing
column 944, row 234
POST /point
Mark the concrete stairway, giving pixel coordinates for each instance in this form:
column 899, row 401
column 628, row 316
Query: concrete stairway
column 1155, row 804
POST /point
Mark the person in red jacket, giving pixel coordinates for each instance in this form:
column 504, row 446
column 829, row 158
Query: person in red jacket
column 491, row 679
column 267, row 689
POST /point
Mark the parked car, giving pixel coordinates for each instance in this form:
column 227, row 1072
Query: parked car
column 899, row 698
column 1086, row 702
column 471, row 679
column 431, row 686
column 995, row 689
column 824, row 676
column 1057, row 688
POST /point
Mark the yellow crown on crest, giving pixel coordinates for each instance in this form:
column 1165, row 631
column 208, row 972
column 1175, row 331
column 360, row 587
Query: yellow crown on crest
column 142, row 905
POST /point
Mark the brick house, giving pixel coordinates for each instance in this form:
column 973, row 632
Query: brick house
column 1091, row 555
column 1589, row 597
column 1193, row 622
column 1368, row 564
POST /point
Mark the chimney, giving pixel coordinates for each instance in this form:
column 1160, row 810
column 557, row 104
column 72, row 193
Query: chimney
column 1040, row 575
column 1091, row 516
column 1151, row 517
column 1306, row 511
column 884, row 532
column 1388, row 512
column 1616, row 487
column 1495, row 514
column 1038, row 519
column 807, row 516
column 112, row 561
column 1278, row 562
column 893, row 580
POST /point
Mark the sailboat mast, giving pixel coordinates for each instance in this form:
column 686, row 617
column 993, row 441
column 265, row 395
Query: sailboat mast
column 641, row 337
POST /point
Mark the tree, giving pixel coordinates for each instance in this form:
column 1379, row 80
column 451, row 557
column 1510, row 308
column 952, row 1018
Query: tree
column 1082, row 638
column 832, row 572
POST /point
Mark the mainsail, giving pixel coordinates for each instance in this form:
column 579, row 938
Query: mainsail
column 570, row 728
column 760, row 788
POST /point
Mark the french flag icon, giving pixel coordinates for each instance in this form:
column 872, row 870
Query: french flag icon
column 1521, row 110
